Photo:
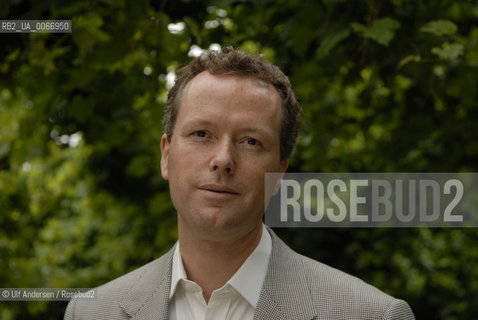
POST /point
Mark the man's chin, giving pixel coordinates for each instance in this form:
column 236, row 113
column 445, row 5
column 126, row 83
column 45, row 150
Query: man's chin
column 218, row 226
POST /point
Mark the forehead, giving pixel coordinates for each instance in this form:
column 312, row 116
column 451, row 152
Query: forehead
column 229, row 83
column 232, row 95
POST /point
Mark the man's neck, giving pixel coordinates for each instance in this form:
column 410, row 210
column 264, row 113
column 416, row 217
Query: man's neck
column 212, row 263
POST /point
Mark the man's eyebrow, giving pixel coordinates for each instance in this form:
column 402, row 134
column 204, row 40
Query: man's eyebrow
column 209, row 123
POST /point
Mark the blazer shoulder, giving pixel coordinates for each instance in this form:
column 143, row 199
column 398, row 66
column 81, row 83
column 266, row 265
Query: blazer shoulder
column 333, row 293
column 353, row 297
column 131, row 279
column 109, row 297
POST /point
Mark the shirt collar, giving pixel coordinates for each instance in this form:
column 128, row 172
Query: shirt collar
column 247, row 281
column 178, row 272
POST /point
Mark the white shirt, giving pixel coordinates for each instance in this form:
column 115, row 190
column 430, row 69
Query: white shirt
column 236, row 300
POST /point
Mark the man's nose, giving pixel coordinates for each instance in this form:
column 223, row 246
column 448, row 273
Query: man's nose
column 223, row 159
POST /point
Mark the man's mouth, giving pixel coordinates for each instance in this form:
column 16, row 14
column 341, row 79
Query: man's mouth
column 217, row 188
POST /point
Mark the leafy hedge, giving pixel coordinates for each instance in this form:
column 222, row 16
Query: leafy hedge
column 386, row 86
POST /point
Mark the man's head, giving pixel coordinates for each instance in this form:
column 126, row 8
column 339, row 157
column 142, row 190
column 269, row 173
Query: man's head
column 231, row 118
column 235, row 62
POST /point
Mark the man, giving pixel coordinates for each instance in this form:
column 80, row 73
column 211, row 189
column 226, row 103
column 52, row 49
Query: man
column 230, row 118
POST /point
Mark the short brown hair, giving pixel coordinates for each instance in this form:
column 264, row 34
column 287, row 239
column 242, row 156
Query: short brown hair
column 235, row 62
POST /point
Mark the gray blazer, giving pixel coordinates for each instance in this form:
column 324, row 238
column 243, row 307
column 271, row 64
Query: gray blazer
column 295, row 287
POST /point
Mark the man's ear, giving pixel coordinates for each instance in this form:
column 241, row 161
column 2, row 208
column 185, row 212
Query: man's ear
column 164, row 156
column 282, row 169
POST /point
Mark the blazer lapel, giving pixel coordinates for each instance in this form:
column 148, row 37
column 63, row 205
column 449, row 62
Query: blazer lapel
column 148, row 299
column 285, row 293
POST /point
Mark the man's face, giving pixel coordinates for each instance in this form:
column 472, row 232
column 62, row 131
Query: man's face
column 226, row 136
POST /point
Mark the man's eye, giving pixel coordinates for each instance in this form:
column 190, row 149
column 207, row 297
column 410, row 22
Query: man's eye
column 201, row 134
column 252, row 142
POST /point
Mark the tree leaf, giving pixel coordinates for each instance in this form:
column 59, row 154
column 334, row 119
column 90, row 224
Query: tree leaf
column 448, row 51
column 408, row 59
column 330, row 42
column 87, row 32
column 440, row 27
column 382, row 30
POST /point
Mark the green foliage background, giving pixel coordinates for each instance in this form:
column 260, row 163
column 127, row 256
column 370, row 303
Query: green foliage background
column 386, row 86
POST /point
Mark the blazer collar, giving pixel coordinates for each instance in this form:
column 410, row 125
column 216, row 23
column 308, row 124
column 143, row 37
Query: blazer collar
column 148, row 298
column 285, row 293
